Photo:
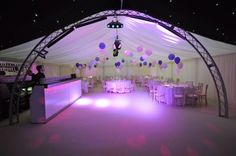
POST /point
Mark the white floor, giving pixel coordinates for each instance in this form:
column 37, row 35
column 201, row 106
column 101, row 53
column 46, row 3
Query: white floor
column 107, row 124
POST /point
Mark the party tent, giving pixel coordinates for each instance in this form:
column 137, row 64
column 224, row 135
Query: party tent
column 145, row 51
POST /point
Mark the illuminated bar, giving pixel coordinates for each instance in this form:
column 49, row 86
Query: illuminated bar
column 47, row 101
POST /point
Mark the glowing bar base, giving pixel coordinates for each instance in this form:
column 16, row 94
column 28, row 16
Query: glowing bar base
column 47, row 101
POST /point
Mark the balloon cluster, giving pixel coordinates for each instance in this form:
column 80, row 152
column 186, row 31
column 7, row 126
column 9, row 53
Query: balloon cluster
column 128, row 53
column 174, row 58
column 177, row 60
column 80, row 66
column 92, row 63
column 162, row 65
column 139, row 49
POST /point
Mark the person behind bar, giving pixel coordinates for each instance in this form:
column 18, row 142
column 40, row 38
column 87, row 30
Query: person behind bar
column 40, row 76
column 32, row 75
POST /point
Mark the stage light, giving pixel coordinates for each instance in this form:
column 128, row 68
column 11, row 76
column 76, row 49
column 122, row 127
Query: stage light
column 114, row 25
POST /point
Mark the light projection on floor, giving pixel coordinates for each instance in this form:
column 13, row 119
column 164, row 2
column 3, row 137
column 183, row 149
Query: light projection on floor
column 131, row 104
column 83, row 101
column 102, row 103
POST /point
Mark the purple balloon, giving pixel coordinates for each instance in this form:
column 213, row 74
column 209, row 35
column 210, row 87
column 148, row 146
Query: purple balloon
column 171, row 57
column 102, row 45
column 141, row 58
column 97, row 58
column 118, row 63
column 177, row 60
column 160, row 62
column 145, row 63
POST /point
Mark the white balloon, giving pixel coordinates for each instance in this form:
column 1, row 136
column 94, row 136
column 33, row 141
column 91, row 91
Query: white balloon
column 180, row 65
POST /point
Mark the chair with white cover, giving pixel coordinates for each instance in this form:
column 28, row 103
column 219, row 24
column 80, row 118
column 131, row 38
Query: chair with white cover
column 203, row 95
column 111, row 87
column 179, row 96
column 189, row 83
column 152, row 91
column 192, row 96
column 128, row 87
column 159, row 94
column 119, row 87
column 104, row 85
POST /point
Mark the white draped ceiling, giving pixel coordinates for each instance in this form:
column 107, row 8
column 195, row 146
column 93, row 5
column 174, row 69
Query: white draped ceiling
column 82, row 45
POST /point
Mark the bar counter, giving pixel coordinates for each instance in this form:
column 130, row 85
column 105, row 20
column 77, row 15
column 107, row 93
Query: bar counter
column 48, row 100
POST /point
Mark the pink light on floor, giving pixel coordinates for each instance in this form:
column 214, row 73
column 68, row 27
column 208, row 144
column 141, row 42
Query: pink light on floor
column 55, row 138
column 83, row 102
column 213, row 128
column 37, row 142
column 137, row 141
column 165, row 151
column 209, row 144
column 191, row 152
column 102, row 103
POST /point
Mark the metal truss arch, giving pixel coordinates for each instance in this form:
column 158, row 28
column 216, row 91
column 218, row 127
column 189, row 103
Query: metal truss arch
column 40, row 50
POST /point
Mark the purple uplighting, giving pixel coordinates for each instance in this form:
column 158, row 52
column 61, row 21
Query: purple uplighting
column 122, row 103
column 83, row 102
column 103, row 103
column 126, row 103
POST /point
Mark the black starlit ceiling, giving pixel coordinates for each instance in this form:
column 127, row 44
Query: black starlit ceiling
column 22, row 21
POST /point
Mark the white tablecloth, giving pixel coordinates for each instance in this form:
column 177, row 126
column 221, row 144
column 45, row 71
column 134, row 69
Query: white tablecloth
column 170, row 91
column 118, row 86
